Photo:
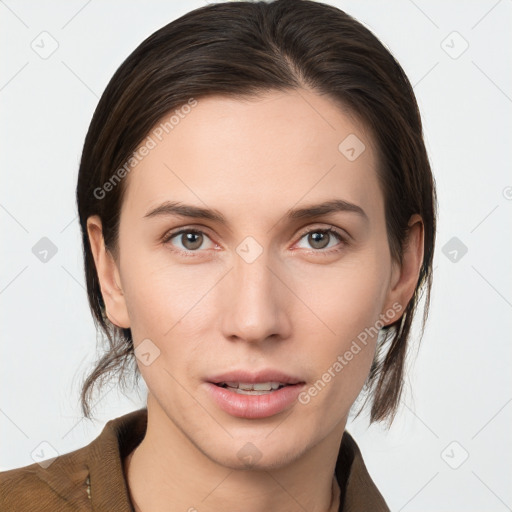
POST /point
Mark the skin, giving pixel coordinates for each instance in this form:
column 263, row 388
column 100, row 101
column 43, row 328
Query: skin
column 296, row 308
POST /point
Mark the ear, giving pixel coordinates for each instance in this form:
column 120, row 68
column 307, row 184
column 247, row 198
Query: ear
column 108, row 275
column 404, row 277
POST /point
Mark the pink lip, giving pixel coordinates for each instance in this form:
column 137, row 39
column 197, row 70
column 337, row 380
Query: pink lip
column 254, row 406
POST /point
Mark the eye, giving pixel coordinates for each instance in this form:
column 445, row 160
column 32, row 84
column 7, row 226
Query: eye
column 188, row 240
column 192, row 240
column 320, row 239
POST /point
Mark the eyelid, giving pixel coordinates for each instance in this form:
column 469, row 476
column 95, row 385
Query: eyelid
column 188, row 227
column 330, row 229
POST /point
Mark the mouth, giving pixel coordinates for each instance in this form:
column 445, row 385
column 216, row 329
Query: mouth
column 265, row 380
column 252, row 395
column 247, row 388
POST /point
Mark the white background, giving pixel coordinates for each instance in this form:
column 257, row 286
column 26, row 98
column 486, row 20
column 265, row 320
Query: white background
column 459, row 385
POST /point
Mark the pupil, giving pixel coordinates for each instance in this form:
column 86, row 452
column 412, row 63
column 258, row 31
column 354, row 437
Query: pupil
column 193, row 240
column 316, row 240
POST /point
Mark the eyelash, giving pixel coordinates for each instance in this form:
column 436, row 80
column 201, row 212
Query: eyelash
column 332, row 231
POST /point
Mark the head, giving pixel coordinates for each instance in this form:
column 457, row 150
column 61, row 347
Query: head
column 296, row 105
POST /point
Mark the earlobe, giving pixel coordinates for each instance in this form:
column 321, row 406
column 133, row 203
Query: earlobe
column 108, row 275
column 405, row 276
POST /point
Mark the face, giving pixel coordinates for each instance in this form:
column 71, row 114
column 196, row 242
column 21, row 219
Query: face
column 265, row 281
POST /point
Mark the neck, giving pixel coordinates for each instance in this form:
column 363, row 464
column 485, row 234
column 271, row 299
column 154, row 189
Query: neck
column 168, row 472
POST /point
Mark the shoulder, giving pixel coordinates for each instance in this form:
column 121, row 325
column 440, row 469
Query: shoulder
column 89, row 478
column 58, row 485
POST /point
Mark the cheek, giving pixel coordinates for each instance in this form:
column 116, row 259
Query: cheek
column 347, row 298
column 161, row 295
column 347, row 304
column 166, row 304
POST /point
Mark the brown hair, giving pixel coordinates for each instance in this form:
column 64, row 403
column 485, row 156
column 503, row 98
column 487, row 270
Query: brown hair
column 241, row 49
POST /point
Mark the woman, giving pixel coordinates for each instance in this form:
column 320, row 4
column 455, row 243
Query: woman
column 258, row 218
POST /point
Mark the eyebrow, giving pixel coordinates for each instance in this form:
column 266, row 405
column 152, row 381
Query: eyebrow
column 175, row 208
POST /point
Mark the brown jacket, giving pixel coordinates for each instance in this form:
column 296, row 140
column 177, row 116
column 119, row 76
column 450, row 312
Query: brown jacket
column 92, row 478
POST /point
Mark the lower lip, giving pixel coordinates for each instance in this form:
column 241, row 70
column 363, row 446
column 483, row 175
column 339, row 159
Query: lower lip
column 254, row 406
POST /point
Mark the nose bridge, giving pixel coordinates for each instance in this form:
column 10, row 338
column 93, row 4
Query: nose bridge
column 254, row 310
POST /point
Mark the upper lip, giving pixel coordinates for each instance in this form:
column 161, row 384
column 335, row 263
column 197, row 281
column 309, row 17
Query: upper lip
column 246, row 376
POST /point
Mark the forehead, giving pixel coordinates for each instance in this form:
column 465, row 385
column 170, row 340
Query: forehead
column 261, row 154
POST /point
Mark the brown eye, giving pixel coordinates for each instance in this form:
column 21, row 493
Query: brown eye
column 320, row 239
column 188, row 240
column 191, row 241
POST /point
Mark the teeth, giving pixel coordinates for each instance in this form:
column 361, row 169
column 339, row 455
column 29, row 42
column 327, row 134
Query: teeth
column 250, row 392
column 256, row 386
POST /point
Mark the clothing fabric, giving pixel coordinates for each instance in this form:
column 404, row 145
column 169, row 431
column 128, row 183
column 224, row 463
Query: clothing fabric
column 92, row 478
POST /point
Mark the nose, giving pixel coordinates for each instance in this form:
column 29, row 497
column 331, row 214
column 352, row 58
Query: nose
column 257, row 303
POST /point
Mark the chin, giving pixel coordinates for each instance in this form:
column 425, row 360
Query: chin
column 256, row 453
